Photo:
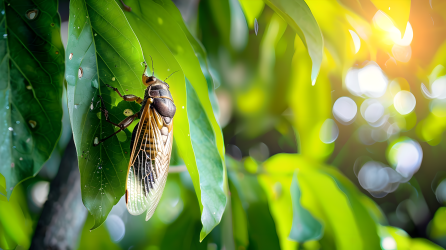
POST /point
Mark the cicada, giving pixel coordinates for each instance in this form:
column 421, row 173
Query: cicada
column 151, row 144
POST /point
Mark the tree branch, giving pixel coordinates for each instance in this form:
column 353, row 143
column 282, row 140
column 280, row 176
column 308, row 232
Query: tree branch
column 63, row 214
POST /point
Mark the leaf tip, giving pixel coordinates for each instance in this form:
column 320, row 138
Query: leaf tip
column 202, row 235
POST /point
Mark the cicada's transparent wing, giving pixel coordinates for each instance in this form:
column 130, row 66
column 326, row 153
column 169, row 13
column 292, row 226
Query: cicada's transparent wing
column 149, row 164
column 162, row 162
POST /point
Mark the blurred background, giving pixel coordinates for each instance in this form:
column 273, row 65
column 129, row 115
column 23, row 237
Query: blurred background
column 377, row 114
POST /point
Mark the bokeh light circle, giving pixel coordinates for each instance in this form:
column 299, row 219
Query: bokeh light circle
column 404, row 102
column 344, row 110
column 372, row 110
column 329, row 131
column 406, row 156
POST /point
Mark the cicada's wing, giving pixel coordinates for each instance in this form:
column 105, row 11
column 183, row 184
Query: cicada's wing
column 149, row 164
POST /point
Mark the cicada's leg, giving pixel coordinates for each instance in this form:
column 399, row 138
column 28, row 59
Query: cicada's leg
column 122, row 125
column 105, row 112
column 127, row 98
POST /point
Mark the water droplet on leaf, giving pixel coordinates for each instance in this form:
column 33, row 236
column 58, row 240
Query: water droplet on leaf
column 10, row 129
column 32, row 14
column 80, row 73
column 71, row 56
column 32, row 123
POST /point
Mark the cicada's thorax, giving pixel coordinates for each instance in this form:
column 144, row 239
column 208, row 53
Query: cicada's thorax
column 162, row 100
column 161, row 108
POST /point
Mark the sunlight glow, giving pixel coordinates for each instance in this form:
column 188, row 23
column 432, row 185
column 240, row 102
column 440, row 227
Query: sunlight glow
column 372, row 81
column 383, row 21
column 356, row 40
column 402, row 53
column 395, row 35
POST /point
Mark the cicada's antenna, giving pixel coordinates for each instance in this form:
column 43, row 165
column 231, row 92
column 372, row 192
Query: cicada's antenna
column 170, row 75
column 153, row 69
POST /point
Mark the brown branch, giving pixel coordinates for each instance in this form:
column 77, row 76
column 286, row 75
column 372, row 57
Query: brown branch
column 63, row 214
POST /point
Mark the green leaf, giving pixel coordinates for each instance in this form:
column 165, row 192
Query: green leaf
column 231, row 23
column 15, row 222
column 305, row 227
column 360, row 210
column 311, row 105
column 261, row 228
column 298, row 15
column 239, row 219
column 397, row 10
column 329, row 196
column 31, row 80
column 163, row 35
column 110, row 50
column 208, row 164
column 252, row 10
column 103, row 45
column 277, row 188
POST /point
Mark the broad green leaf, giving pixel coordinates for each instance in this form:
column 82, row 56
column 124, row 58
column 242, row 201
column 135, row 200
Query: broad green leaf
column 327, row 195
column 15, row 222
column 277, row 188
column 397, row 10
column 360, row 211
column 254, row 101
column 231, row 23
column 311, row 105
column 102, row 49
column 239, row 219
column 305, row 227
column 252, row 10
column 163, row 35
column 437, row 228
column 335, row 21
column 31, row 82
column 199, row 52
column 261, row 228
column 298, row 15
column 208, row 164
